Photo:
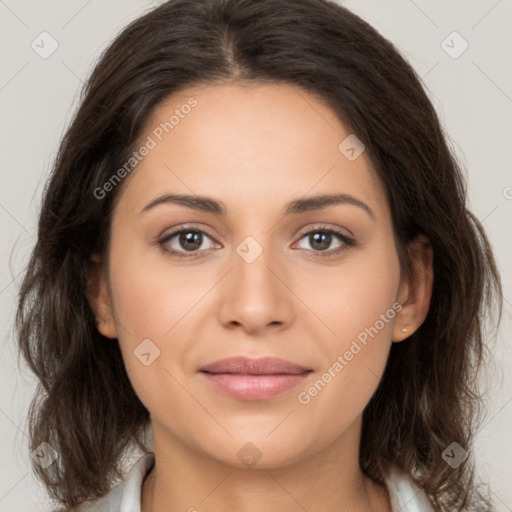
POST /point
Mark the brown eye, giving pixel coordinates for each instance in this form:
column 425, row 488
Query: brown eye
column 190, row 240
column 320, row 240
column 182, row 241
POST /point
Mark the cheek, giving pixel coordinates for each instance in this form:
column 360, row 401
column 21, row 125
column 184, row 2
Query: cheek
column 155, row 307
column 162, row 305
column 353, row 297
column 155, row 325
column 361, row 310
column 152, row 297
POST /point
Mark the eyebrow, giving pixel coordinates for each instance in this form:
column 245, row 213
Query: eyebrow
column 298, row 206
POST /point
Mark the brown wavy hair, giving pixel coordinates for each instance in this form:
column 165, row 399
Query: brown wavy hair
column 85, row 406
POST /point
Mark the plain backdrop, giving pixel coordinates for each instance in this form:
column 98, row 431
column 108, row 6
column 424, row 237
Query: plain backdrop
column 471, row 90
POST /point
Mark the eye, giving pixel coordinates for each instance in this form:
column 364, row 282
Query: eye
column 189, row 242
column 321, row 238
column 185, row 240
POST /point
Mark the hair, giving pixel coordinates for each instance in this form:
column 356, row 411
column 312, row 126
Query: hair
column 85, row 406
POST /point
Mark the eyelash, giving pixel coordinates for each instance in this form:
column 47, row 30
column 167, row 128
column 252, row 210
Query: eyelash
column 347, row 242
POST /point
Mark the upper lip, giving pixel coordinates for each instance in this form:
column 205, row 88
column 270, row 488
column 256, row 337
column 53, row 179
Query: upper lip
column 248, row 366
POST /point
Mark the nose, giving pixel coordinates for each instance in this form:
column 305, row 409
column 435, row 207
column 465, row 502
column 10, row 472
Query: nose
column 255, row 296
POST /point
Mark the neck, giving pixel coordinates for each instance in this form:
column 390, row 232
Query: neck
column 184, row 479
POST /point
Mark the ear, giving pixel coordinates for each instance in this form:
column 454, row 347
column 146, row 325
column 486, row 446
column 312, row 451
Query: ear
column 99, row 298
column 415, row 290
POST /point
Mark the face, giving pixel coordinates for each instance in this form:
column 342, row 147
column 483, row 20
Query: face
column 257, row 270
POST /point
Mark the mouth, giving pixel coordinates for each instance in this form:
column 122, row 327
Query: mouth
column 253, row 379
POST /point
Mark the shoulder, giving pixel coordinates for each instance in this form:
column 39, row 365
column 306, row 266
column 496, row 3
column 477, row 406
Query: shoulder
column 123, row 497
column 404, row 494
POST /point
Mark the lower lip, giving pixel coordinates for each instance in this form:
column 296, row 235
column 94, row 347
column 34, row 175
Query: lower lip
column 253, row 387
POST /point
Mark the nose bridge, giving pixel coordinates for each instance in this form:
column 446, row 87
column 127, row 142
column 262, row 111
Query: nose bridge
column 251, row 272
column 255, row 297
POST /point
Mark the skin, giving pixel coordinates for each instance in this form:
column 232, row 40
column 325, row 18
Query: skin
column 255, row 147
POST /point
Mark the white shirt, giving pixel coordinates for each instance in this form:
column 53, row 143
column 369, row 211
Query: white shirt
column 405, row 496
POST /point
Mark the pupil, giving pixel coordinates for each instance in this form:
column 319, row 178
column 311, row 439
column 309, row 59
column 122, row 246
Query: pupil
column 190, row 237
column 320, row 240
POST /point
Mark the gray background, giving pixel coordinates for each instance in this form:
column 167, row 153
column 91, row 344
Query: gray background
column 472, row 93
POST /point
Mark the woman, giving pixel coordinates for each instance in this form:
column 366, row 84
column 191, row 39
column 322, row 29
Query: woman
column 254, row 247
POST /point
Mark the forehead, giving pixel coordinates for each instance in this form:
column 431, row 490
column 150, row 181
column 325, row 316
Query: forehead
column 248, row 144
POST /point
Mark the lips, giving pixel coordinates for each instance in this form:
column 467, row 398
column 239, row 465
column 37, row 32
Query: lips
column 253, row 379
column 246, row 366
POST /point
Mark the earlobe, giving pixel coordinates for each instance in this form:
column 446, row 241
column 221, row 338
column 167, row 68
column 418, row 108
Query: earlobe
column 415, row 289
column 99, row 298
